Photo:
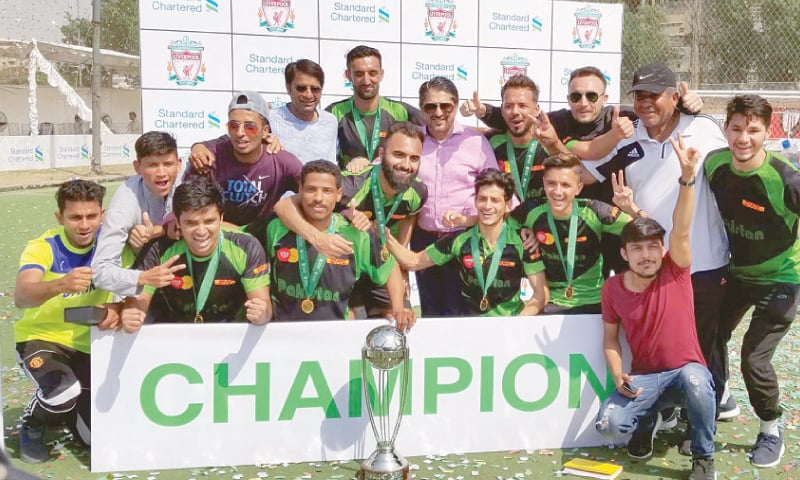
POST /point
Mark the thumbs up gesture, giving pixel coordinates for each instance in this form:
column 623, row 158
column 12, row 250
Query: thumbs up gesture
column 621, row 126
column 358, row 218
column 141, row 234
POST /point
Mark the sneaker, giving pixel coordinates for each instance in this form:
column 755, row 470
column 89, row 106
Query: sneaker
column 703, row 469
column 728, row 410
column 768, row 450
column 31, row 444
column 670, row 418
column 640, row 445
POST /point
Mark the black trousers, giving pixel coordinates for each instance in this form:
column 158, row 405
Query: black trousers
column 439, row 287
column 775, row 310
column 709, row 288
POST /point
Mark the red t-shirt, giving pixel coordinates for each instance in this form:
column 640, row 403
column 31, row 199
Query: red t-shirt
column 658, row 322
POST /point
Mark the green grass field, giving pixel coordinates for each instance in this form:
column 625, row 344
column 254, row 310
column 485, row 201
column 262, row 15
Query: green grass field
column 25, row 214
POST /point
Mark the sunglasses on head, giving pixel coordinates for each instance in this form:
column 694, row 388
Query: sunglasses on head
column 250, row 128
column 444, row 107
column 303, row 88
column 575, row 97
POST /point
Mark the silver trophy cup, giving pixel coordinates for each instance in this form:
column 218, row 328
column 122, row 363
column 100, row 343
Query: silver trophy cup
column 384, row 350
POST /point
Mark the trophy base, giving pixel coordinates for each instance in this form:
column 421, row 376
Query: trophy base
column 384, row 465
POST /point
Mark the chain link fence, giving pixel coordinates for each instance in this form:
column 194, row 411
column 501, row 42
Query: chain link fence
column 721, row 47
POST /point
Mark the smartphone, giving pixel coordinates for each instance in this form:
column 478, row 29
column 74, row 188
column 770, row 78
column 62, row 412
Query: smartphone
column 91, row 315
column 628, row 388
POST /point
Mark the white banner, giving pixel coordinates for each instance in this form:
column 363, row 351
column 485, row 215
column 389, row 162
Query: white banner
column 59, row 151
column 179, row 396
column 205, row 49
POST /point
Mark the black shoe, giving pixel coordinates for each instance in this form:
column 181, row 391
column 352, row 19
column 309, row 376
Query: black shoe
column 728, row 410
column 669, row 418
column 640, row 445
column 703, row 469
column 31, row 444
column 768, row 450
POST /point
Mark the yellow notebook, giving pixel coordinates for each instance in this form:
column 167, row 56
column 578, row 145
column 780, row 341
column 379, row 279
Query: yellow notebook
column 592, row 469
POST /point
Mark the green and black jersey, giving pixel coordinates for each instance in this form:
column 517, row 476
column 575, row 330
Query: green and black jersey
column 595, row 219
column 760, row 210
column 350, row 144
column 515, row 264
column 535, row 188
column 358, row 187
column 339, row 275
column 242, row 268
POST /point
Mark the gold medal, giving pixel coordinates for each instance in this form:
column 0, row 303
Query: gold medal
column 568, row 292
column 198, row 318
column 307, row 306
column 484, row 304
column 384, row 253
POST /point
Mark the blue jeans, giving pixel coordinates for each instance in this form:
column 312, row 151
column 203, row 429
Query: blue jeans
column 690, row 387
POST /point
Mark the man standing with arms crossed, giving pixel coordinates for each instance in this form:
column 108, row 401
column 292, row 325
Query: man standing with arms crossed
column 758, row 194
column 653, row 303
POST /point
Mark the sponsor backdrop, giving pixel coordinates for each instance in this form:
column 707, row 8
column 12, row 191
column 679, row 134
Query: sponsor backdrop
column 195, row 53
column 59, row 151
column 232, row 394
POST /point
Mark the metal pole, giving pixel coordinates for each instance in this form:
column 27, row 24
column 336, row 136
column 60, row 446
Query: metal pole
column 97, row 143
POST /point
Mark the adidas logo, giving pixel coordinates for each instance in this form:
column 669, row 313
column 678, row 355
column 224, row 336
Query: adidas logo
column 633, row 154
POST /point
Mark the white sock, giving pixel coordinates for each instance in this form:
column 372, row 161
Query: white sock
column 726, row 394
column 770, row 427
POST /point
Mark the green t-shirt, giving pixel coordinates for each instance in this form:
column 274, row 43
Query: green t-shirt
column 515, row 264
column 55, row 257
column 358, row 187
column 760, row 210
column 535, row 190
column 242, row 268
column 595, row 218
column 338, row 276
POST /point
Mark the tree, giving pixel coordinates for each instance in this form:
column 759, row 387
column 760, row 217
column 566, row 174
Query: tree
column 119, row 27
column 644, row 40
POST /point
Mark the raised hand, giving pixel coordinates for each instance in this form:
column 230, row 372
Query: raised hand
column 623, row 194
column 473, row 107
column 453, row 219
column 543, row 130
column 621, row 126
column 161, row 275
column 687, row 157
column 691, row 100
column 141, row 234
column 357, row 218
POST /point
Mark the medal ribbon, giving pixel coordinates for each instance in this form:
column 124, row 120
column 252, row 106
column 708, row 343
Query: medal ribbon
column 371, row 144
column 521, row 185
column 569, row 263
column 201, row 297
column 310, row 281
column 476, row 258
column 377, row 201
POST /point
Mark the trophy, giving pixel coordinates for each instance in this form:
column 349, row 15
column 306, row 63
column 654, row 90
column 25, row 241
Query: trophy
column 384, row 350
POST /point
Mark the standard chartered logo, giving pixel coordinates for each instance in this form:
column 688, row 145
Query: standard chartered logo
column 310, row 388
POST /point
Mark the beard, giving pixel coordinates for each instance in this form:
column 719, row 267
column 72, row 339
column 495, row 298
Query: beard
column 397, row 183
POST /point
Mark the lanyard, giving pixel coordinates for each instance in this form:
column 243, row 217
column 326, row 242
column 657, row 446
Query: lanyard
column 311, row 280
column 371, row 144
column 201, row 297
column 521, row 185
column 377, row 201
column 569, row 263
column 485, row 283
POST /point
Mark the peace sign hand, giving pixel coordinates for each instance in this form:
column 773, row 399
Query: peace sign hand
column 687, row 157
column 623, row 194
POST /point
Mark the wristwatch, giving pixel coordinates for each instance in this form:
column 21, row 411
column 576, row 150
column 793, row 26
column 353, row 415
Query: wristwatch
column 687, row 184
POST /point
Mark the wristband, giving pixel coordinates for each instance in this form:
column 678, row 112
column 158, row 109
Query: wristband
column 686, row 184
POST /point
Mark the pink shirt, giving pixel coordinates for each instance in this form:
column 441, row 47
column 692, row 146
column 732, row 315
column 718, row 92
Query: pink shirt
column 658, row 322
column 448, row 169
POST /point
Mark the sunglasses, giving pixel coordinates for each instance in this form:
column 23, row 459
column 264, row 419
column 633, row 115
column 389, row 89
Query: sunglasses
column 250, row 128
column 575, row 97
column 303, row 88
column 444, row 107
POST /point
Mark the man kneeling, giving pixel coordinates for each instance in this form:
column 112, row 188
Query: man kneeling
column 653, row 303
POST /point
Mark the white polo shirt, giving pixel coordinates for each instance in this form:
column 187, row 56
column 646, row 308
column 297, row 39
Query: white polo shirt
column 652, row 170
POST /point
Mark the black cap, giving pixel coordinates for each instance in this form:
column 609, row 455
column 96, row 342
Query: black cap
column 653, row 78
